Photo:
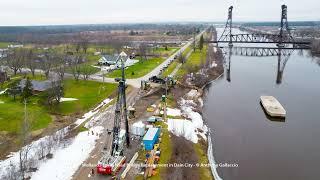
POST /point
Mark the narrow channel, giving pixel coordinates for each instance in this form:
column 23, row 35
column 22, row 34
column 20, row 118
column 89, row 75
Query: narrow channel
column 261, row 147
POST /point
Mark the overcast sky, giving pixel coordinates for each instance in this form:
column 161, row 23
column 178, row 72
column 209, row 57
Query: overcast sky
column 47, row 12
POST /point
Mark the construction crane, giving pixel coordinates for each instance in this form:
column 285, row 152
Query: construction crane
column 110, row 163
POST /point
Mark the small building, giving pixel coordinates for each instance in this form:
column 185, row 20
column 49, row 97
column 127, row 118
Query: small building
column 108, row 60
column 37, row 86
column 138, row 128
column 151, row 138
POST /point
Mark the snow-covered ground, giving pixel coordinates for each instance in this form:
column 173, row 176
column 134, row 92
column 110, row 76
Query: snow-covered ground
column 173, row 112
column 2, row 92
column 65, row 152
column 190, row 129
column 67, row 160
column 68, row 99
column 182, row 127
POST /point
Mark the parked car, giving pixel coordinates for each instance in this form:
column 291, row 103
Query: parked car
column 156, row 79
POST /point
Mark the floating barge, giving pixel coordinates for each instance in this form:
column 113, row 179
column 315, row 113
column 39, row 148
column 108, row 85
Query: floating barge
column 272, row 106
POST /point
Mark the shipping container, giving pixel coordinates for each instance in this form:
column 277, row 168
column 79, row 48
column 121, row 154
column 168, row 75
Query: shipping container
column 151, row 138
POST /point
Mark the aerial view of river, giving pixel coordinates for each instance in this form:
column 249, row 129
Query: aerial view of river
column 262, row 147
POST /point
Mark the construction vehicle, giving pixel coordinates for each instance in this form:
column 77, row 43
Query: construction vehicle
column 111, row 162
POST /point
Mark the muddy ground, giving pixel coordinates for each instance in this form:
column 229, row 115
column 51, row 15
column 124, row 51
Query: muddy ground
column 182, row 152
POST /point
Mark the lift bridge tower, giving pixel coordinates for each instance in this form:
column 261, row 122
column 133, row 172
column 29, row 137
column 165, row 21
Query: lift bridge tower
column 227, row 32
column 285, row 34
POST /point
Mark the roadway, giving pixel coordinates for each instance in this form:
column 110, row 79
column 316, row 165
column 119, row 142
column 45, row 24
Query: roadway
column 155, row 72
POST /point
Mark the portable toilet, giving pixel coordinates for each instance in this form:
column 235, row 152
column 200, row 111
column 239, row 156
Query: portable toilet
column 150, row 138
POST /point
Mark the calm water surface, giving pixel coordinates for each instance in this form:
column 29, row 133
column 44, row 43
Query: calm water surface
column 266, row 148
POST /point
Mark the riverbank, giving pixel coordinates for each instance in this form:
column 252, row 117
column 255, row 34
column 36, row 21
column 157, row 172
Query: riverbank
column 188, row 96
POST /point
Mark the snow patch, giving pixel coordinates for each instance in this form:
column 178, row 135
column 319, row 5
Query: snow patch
column 190, row 129
column 68, row 99
column 192, row 93
column 200, row 101
column 67, row 160
column 89, row 114
column 4, row 91
column 173, row 112
column 185, row 128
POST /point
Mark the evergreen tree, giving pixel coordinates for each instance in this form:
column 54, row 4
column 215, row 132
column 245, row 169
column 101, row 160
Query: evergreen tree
column 14, row 89
column 201, row 43
column 27, row 90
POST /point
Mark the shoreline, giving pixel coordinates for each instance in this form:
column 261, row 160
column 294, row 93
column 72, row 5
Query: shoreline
column 215, row 73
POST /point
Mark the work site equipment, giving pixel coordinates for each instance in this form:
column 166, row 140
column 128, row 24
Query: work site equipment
column 110, row 163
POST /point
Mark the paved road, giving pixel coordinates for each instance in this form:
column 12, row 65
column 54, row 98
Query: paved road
column 137, row 82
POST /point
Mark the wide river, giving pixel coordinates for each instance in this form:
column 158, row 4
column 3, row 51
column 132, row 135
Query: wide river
column 265, row 148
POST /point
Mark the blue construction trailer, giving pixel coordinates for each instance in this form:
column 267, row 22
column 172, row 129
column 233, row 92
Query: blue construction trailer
column 151, row 138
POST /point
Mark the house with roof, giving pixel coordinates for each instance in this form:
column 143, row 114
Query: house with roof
column 37, row 86
column 111, row 61
column 108, row 60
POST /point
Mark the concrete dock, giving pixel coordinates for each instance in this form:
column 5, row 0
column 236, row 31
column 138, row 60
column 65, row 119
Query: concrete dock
column 272, row 106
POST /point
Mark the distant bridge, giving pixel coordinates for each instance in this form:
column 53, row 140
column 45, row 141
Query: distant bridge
column 284, row 37
column 258, row 51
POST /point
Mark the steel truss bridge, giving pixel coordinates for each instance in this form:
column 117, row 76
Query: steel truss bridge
column 283, row 38
column 258, row 51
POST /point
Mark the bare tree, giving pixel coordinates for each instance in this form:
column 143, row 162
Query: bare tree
column 60, row 64
column 84, row 43
column 75, row 65
column 25, row 137
column 15, row 59
column 86, row 71
column 47, row 61
column 55, row 93
column 12, row 171
column 143, row 50
column 182, row 58
column 30, row 61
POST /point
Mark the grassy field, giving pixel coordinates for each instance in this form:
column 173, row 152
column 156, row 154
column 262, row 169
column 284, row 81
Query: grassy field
column 12, row 113
column 170, row 69
column 88, row 93
column 88, row 67
column 139, row 69
column 193, row 62
column 163, row 52
column 4, row 44
column 204, row 172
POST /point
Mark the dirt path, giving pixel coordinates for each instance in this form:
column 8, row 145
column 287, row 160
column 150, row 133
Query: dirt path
column 182, row 152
